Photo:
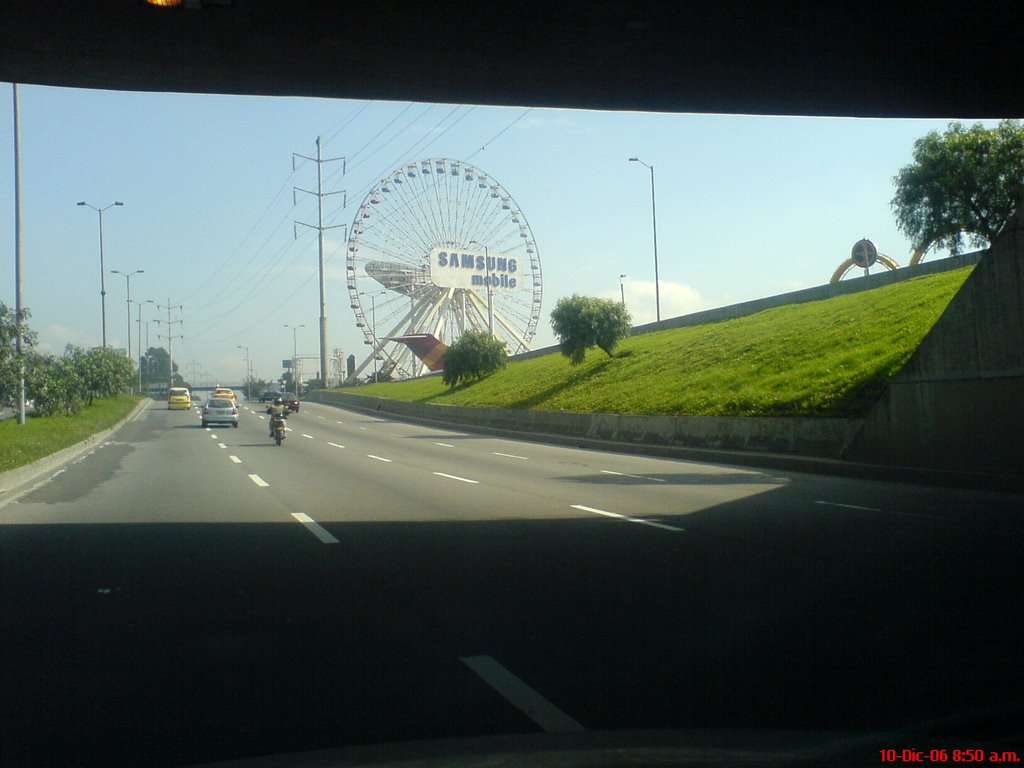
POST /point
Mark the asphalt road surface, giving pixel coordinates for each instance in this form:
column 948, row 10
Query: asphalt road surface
column 185, row 595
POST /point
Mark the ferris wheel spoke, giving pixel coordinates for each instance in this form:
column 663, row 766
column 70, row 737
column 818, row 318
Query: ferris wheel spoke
column 500, row 321
column 512, row 332
column 401, row 231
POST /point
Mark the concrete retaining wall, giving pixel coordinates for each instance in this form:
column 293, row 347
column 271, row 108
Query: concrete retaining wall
column 958, row 403
column 826, row 438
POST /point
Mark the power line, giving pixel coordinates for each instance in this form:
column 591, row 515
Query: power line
column 500, row 133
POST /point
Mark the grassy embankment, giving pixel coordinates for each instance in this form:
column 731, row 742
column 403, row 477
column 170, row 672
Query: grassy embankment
column 39, row 436
column 822, row 358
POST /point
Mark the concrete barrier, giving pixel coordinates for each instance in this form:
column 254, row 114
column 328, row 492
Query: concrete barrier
column 824, row 438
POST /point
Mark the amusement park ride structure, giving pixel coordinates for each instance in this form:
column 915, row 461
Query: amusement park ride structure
column 440, row 248
column 865, row 255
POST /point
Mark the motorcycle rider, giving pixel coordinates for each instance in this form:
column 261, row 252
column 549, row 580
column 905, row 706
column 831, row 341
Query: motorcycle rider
column 277, row 411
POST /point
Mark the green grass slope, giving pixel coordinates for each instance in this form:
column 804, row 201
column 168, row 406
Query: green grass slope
column 822, row 358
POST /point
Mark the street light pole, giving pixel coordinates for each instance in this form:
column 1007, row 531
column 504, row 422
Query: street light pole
column 654, row 221
column 248, row 373
column 373, row 326
column 295, row 353
column 373, row 329
column 622, row 291
column 19, row 315
column 490, row 292
column 103, row 284
column 139, row 342
column 128, row 289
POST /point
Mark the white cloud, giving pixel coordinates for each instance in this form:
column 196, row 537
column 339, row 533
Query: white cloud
column 55, row 337
column 676, row 299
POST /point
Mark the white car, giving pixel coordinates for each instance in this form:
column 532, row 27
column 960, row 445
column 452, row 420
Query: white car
column 220, row 410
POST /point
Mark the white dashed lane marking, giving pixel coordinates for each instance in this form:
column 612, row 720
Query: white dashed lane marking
column 626, row 518
column 456, row 477
column 235, row 459
column 445, row 445
column 378, row 458
column 510, row 456
column 848, row 506
column 521, row 696
column 259, row 481
column 315, row 528
column 636, row 477
column 305, row 435
column 335, row 445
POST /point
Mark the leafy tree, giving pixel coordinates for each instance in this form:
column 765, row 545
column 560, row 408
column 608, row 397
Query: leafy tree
column 103, row 372
column 9, row 363
column 55, row 385
column 63, row 385
column 581, row 322
column 254, row 385
column 966, row 181
column 476, row 354
column 155, row 368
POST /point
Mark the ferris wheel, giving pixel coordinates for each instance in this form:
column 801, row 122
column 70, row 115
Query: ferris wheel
column 439, row 247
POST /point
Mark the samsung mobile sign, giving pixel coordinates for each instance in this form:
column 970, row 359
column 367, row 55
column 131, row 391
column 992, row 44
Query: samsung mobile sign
column 473, row 270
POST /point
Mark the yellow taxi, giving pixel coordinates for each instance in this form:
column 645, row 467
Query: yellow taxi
column 179, row 398
column 225, row 392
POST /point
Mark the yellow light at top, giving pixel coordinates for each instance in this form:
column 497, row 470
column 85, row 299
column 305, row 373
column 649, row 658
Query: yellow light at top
column 165, row 3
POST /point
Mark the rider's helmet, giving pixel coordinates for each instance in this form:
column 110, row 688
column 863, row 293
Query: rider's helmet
column 278, row 401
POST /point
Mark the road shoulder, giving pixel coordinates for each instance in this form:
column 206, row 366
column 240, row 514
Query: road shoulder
column 14, row 479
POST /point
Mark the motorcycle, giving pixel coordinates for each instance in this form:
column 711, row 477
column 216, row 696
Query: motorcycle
column 277, row 426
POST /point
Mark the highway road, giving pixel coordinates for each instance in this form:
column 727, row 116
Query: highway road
column 183, row 595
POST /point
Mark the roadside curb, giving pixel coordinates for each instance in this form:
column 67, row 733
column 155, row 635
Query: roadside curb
column 13, row 479
column 771, row 461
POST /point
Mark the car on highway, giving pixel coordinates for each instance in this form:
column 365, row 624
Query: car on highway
column 291, row 401
column 268, row 395
column 178, row 398
column 225, row 392
column 220, row 410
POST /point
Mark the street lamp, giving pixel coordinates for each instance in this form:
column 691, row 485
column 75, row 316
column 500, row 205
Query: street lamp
column 490, row 293
column 139, row 342
column 295, row 353
column 622, row 291
column 248, row 373
column 128, row 289
column 654, row 220
column 373, row 326
column 103, row 285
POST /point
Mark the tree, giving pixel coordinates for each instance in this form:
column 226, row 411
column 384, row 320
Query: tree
column 476, row 354
column 103, row 372
column 966, row 181
column 63, row 385
column 9, row 363
column 581, row 322
column 55, row 385
column 156, row 371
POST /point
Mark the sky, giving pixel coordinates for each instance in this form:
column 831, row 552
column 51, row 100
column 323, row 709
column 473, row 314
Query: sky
column 746, row 207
